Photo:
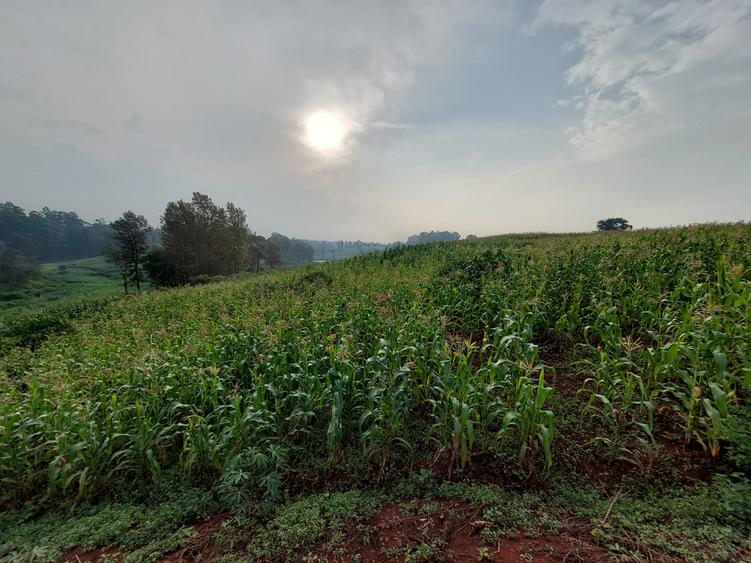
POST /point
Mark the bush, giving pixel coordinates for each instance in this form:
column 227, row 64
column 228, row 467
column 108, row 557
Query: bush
column 15, row 268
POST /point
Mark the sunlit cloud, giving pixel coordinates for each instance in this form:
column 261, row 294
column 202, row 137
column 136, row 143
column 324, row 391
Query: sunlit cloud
column 327, row 132
column 641, row 60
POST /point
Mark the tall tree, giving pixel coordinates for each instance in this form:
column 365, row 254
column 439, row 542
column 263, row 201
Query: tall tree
column 200, row 238
column 158, row 268
column 236, row 238
column 179, row 239
column 258, row 248
column 272, row 256
column 129, row 235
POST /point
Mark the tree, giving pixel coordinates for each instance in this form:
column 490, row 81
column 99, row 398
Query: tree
column 178, row 239
column 158, row 269
column 273, row 257
column 51, row 235
column 15, row 268
column 613, row 224
column 258, row 249
column 129, row 234
column 433, row 236
column 292, row 251
column 201, row 239
column 236, row 238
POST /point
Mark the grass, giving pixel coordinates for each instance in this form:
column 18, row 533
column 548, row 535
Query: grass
column 298, row 398
column 64, row 283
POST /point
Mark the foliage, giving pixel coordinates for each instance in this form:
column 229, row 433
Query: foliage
column 341, row 249
column 31, row 328
column 291, row 250
column 613, row 224
column 433, row 236
column 434, row 351
column 129, row 236
column 60, row 283
column 141, row 530
column 739, row 438
column 200, row 238
column 15, row 268
column 677, row 521
column 683, row 522
column 160, row 271
column 303, row 523
column 49, row 235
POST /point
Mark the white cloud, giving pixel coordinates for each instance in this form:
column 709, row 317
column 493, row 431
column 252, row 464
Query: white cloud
column 451, row 112
column 205, row 80
column 649, row 67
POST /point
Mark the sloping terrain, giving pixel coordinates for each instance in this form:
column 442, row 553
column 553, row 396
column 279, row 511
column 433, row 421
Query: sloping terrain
column 516, row 398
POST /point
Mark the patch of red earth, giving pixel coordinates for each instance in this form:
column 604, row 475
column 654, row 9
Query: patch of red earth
column 689, row 460
column 397, row 528
column 691, row 464
column 548, row 549
column 456, row 529
column 201, row 545
column 79, row 554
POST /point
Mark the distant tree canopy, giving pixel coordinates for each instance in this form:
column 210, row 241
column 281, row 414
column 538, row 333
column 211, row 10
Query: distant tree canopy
column 49, row 235
column 261, row 251
column 291, row 250
column 201, row 239
column 337, row 249
column 613, row 224
column 15, row 268
column 433, row 236
column 128, row 247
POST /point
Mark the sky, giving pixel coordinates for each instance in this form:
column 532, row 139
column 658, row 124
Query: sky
column 375, row 120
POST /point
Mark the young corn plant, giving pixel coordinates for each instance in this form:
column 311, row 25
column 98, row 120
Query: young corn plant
column 531, row 424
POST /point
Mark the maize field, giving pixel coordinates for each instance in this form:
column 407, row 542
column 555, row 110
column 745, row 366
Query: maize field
column 456, row 356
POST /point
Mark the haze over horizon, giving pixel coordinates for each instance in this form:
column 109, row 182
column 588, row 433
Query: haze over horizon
column 373, row 121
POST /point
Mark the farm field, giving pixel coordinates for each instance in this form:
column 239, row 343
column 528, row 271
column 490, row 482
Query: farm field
column 514, row 398
column 63, row 283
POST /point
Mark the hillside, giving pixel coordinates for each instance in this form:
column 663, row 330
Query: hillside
column 64, row 282
column 514, row 398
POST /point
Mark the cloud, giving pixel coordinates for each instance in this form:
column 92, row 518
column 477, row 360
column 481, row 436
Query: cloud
column 648, row 67
column 205, row 80
column 456, row 118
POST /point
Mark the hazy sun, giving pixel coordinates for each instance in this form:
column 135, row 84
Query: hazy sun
column 325, row 132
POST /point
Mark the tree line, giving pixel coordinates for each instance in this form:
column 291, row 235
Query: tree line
column 433, row 236
column 198, row 240
column 50, row 235
column 26, row 239
column 195, row 240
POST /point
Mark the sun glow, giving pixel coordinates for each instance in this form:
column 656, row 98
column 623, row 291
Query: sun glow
column 325, row 132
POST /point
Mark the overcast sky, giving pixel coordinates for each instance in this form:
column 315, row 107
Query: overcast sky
column 374, row 120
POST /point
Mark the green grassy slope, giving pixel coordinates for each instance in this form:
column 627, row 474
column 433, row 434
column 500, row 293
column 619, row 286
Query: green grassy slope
column 64, row 282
